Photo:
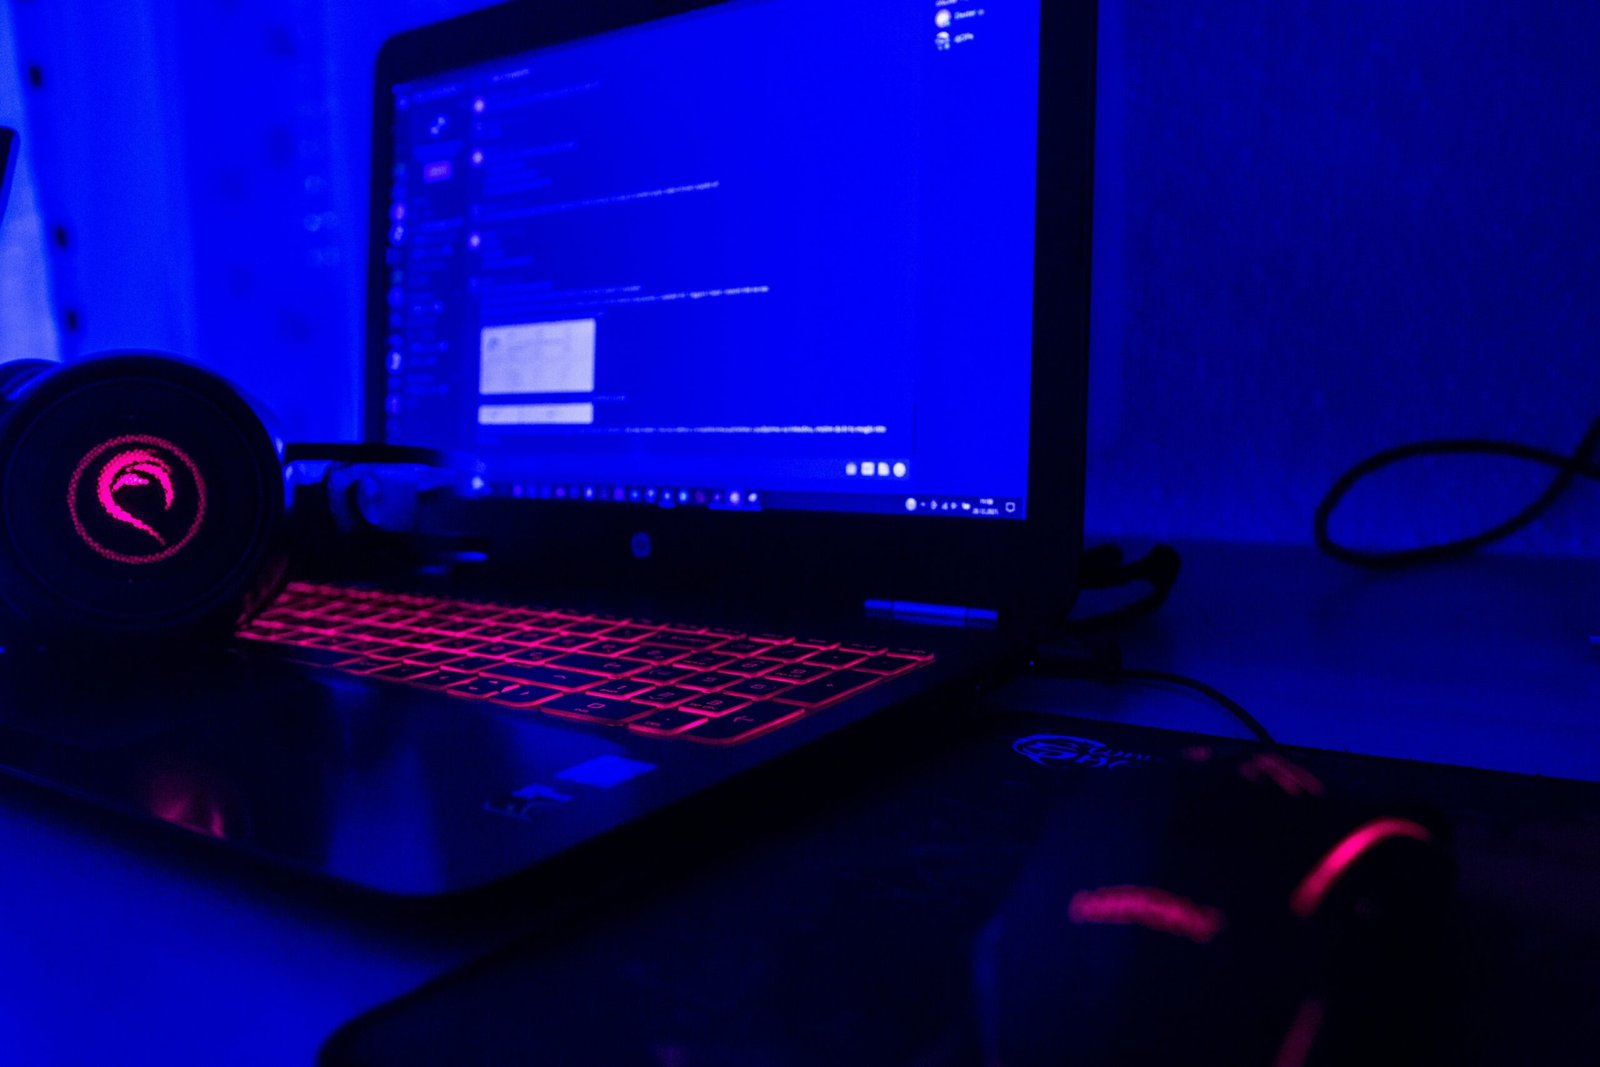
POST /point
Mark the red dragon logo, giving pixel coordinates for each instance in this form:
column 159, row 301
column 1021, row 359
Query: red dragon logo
column 136, row 466
column 121, row 485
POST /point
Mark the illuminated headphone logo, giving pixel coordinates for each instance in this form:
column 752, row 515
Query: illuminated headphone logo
column 1045, row 749
column 143, row 502
column 136, row 466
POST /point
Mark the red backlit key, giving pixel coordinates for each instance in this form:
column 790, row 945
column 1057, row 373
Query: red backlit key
column 518, row 616
column 393, row 633
column 533, row 655
column 472, row 663
column 703, row 661
column 566, row 641
column 658, row 653
column 479, row 688
column 744, row 648
column 622, row 687
column 439, row 679
column 788, row 652
column 681, row 640
column 798, row 672
column 607, row 648
column 554, row 677
column 459, row 644
column 753, row 665
column 662, row 675
column 528, row 635
column 522, row 696
column 667, row 722
column 593, row 709
column 599, row 664
column 352, row 631
column 301, row 636
column 494, row 630
column 714, row 704
column 431, row 657
column 743, row 725
column 401, row 672
column 756, row 688
column 667, row 694
column 498, row 649
column 709, row 680
column 827, row 690
column 628, row 633
column 561, row 618
column 886, row 664
column 320, row 640
column 836, row 658
column 366, row 648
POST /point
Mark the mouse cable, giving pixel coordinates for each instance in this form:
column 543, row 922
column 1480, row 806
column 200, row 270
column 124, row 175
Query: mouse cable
column 1210, row 692
column 1103, row 663
column 1568, row 468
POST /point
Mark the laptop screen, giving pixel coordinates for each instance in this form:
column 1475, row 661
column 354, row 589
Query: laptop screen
column 765, row 255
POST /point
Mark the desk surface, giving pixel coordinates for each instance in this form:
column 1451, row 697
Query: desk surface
column 127, row 947
column 1482, row 663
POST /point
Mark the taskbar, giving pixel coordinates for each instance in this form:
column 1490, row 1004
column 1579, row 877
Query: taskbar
column 741, row 499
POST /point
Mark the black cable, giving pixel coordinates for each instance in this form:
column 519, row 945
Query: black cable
column 1101, row 662
column 1210, row 692
column 1104, row 567
column 1568, row 468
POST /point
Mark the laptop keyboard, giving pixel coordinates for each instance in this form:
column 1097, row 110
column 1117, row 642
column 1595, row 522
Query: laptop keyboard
column 659, row 679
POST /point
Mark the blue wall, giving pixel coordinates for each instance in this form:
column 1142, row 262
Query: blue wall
column 206, row 163
column 1320, row 229
column 1324, row 228
column 26, row 323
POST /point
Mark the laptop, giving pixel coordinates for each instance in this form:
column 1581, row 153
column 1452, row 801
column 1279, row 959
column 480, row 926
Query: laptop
column 767, row 324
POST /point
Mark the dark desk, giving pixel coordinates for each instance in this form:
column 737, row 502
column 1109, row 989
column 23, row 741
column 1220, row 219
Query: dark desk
column 1484, row 663
column 121, row 942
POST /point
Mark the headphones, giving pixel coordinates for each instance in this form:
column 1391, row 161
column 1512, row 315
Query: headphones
column 144, row 503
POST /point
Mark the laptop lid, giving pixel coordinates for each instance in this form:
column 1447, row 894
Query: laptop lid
column 751, row 291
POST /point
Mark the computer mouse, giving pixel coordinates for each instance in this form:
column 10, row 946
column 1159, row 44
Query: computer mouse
column 1229, row 907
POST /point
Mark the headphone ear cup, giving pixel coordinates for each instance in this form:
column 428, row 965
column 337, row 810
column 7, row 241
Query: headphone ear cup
column 17, row 373
column 141, row 503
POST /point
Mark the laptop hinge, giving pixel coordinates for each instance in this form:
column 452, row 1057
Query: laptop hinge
column 933, row 614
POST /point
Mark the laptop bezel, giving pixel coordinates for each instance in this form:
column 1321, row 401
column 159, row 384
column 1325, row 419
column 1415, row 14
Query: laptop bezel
column 1024, row 569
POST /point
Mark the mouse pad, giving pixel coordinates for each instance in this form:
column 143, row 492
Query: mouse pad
column 847, row 935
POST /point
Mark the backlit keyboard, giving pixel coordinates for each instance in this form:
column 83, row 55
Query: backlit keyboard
column 713, row 686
